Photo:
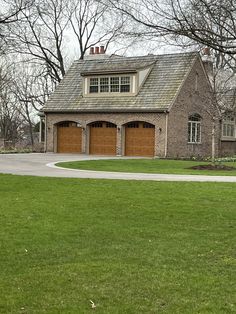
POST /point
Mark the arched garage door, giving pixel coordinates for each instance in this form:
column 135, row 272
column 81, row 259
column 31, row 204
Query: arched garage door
column 139, row 139
column 102, row 138
column 69, row 138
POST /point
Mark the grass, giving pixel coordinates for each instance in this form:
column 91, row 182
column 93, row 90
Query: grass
column 148, row 166
column 131, row 247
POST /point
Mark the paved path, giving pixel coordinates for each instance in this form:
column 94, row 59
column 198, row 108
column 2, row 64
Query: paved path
column 43, row 165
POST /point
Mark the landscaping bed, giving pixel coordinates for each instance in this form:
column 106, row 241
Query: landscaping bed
column 213, row 167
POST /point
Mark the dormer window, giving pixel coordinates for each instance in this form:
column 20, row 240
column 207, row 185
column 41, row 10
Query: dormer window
column 110, row 84
column 94, row 87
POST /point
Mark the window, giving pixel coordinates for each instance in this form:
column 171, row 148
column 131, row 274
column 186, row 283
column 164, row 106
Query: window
column 93, row 88
column 96, row 125
column 228, row 129
column 125, row 84
column 110, row 125
column 133, row 125
column 194, row 129
column 104, row 85
column 109, row 84
column 115, row 84
column 148, row 126
column 64, row 124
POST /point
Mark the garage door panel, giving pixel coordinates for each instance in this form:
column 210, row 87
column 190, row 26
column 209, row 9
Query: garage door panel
column 139, row 140
column 103, row 139
column 69, row 139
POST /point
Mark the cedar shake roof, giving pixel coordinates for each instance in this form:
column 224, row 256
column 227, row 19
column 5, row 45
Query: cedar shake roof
column 158, row 92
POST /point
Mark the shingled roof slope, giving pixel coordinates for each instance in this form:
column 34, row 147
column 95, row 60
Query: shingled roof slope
column 157, row 93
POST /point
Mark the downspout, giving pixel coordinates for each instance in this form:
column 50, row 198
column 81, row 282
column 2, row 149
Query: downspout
column 40, row 130
column 166, row 135
column 45, row 134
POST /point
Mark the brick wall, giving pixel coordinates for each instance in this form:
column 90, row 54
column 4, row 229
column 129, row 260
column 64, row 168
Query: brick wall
column 228, row 148
column 189, row 101
column 120, row 119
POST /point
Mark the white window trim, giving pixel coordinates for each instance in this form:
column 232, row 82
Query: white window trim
column 231, row 123
column 197, row 123
column 110, row 85
column 196, row 128
column 131, row 84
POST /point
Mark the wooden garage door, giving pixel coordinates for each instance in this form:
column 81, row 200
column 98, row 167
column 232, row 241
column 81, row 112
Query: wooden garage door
column 139, row 139
column 103, row 138
column 69, row 138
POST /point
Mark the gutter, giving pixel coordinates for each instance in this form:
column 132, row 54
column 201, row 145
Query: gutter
column 126, row 110
column 106, row 72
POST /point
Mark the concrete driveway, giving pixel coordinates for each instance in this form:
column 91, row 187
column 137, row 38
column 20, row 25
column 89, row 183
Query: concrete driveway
column 43, row 165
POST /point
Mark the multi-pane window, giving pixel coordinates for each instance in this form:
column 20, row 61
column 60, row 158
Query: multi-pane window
column 133, row 125
column 148, row 125
column 104, row 85
column 194, row 129
column 125, row 84
column 110, row 84
column 93, row 87
column 96, row 125
column 110, row 125
column 136, row 125
column 228, row 129
column 115, row 84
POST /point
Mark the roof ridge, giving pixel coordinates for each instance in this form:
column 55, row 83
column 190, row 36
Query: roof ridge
column 134, row 58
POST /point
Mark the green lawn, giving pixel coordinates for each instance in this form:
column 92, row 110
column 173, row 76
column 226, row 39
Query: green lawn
column 148, row 166
column 130, row 246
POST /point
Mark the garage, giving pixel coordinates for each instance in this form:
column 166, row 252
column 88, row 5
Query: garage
column 102, row 138
column 139, row 139
column 69, row 138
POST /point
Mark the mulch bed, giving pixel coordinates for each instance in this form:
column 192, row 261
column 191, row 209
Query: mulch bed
column 213, row 167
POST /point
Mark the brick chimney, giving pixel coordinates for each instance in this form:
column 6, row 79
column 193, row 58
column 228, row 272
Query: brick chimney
column 96, row 53
column 207, row 61
column 102, row 49
column 206, row 51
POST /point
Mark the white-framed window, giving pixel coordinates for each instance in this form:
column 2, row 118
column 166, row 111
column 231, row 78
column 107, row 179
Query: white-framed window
column 194, row 129
column 109, row 84
column 228, row 127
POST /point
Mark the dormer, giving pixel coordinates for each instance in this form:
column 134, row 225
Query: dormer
column 109, row 77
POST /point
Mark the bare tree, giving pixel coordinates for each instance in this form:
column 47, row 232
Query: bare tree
column 11, row 9
column 31, row 88
column 46, row 27
column 40, row 34
column 10, row 13
column 93, row 23
column 10, row 119
column 206, row 22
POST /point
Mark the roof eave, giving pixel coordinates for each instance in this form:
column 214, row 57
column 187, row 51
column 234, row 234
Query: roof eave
column 127, row 110
column 102, row 72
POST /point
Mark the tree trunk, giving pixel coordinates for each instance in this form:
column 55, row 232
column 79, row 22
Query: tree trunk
column 213, row 142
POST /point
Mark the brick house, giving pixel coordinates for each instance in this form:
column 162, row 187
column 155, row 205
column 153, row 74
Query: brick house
column 228, row 134
column 154, row 105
